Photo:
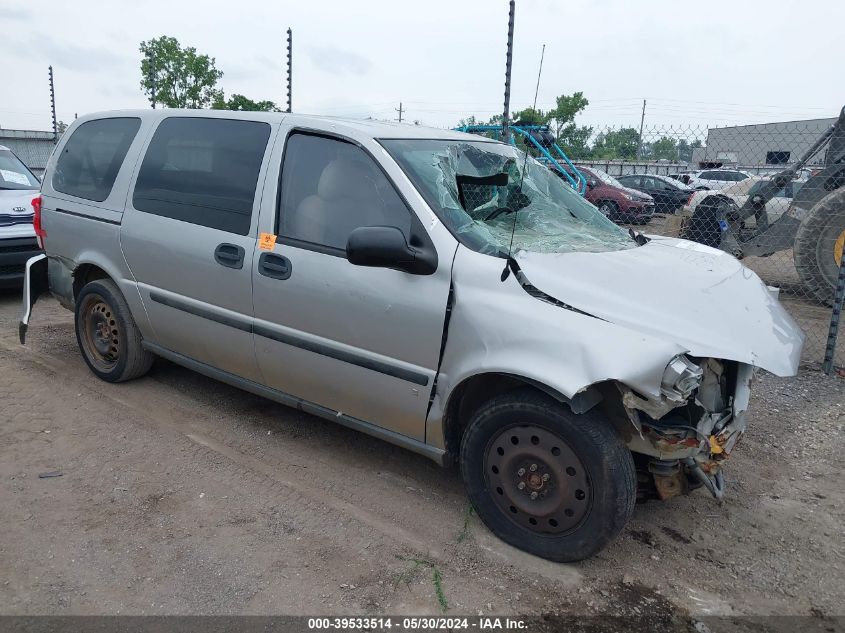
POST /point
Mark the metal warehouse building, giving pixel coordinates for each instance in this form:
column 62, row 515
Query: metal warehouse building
column 32, row 147
column 761, row 144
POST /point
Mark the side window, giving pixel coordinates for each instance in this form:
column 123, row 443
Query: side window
column 632, row 181
column 650, row 183
column 331, row 187
column 203, row 171
column 92, row 156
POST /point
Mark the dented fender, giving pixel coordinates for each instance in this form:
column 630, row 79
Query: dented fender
column 497, row 327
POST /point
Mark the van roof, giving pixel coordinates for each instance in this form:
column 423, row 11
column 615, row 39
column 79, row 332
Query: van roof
column 372, row 128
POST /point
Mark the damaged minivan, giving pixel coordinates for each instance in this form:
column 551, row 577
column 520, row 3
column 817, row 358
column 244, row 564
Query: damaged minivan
column 437, row 290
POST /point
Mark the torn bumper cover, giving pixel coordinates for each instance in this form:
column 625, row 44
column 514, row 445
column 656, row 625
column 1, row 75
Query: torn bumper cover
column 695, row 424
column 34, row 285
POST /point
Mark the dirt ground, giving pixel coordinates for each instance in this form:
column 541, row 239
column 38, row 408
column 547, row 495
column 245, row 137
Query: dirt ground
column 181, row 495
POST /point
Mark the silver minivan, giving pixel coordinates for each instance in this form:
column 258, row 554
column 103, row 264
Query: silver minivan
column 438, row 290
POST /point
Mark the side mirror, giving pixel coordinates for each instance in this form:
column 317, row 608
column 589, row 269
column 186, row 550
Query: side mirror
column 591, row 183
column 386, row 247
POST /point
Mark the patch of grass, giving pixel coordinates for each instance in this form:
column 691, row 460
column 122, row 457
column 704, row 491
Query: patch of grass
column 436, row 577
column 464, row 533
column 438, row 589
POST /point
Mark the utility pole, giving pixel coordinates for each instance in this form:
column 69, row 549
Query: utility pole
column 399, row 111
column 640, row 142
column 53, row 105
column 290, row 70
column 508, row 63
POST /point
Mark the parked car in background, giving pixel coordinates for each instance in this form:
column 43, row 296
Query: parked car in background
column 18, row 186
column 621, row 204
column 712, row 178
column 291, row 256
column 739, row 192
column 669, row 195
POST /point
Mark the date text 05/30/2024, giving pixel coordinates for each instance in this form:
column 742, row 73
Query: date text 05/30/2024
column 417, row 624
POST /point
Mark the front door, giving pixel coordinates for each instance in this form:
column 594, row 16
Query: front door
column 364, row 342
column 188, row 236
column 654, row 187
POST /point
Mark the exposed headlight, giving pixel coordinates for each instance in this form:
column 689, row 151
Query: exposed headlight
column 627, row 196
column 680, row 378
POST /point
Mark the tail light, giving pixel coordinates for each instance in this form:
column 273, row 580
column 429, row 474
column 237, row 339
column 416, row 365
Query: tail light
column 40, row 233
column 689, row 200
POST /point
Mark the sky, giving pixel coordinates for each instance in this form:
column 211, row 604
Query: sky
column 696, row 64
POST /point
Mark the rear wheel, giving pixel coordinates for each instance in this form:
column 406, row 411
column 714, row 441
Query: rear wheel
column 107, row 335
column 819, row 244
column 545, row 480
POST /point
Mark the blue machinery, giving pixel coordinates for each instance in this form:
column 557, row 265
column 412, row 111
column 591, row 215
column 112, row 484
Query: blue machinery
column 580, row 185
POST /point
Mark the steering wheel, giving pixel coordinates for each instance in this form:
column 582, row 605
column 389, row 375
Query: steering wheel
column 497, row 212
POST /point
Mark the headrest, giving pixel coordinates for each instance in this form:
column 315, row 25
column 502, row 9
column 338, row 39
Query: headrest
column 344, row 178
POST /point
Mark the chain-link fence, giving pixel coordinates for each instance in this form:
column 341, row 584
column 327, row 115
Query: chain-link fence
column 773, row 195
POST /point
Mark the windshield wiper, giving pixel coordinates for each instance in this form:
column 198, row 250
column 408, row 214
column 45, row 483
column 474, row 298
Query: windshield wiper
column 639, row 238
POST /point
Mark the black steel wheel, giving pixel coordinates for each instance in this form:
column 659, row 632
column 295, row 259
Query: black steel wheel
column 107, row 335
column 540, row 483
column 545, row 480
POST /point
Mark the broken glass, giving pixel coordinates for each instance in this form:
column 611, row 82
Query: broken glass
column 482, row 191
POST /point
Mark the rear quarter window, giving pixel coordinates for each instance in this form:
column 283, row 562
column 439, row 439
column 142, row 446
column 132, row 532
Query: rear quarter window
column 203, row 171
column 92, row 156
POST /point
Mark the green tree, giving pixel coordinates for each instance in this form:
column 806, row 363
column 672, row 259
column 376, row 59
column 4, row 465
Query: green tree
column 685, row 149
column 563, row 114
column 664, row 148
column 243, row 104
column 182, row 78
column 529, row 116
column 574, row 140
column 617, row 144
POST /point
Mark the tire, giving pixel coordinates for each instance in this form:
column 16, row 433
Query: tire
column 107, row 335
column 819, row 236
column 590, row 491
column 610, row 209
column 705, row 225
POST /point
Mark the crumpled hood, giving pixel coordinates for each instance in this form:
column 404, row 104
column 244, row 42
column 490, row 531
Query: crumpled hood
column 698, row 297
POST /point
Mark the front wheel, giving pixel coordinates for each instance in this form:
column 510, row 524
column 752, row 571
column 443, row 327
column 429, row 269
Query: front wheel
column 609, row 209
column 107, row 335
column 545, row 480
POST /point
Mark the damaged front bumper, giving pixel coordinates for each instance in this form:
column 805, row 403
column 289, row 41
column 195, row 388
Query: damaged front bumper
column 687, row 440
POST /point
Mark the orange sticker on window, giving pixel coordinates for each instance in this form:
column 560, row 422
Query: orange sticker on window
column 266, row 241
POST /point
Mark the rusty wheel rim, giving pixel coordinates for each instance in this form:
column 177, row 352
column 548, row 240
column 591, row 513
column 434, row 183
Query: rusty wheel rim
column 100, row 333
column 537, row 481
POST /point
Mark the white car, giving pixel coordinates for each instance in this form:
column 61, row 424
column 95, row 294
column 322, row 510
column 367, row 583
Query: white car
column 712, row 178
column 18, row 186
column 739, row 192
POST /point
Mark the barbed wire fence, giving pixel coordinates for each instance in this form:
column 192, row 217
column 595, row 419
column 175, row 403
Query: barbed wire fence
column 772, row 195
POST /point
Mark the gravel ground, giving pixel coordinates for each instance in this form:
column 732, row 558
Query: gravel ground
column 180, row 495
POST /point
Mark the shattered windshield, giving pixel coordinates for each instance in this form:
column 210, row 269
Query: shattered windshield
column 478, row 190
